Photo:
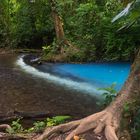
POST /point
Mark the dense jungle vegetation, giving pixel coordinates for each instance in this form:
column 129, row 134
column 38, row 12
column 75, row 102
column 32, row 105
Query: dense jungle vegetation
column 80, row 31
column 86, row 23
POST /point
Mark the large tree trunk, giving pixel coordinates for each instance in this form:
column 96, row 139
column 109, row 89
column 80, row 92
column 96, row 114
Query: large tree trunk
column 57, row 22
column 108, row 120
column 60, row 35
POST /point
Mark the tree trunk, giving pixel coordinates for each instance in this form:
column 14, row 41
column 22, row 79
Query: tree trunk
column 106, row 121
column 131, row 86
column 125, row 2
column 60, row 35
column 57, row 22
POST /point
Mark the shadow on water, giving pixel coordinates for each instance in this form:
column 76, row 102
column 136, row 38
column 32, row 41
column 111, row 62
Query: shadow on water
column 22, row 91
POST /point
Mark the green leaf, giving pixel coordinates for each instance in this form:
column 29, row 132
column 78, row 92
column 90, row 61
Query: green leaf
column 123, row 13
column 61, row 118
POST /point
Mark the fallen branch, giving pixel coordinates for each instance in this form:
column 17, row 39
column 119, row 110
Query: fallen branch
column 24, row 115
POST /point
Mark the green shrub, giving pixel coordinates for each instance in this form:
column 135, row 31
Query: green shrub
column 38, row 126
column 16, row 127
column 109, row 95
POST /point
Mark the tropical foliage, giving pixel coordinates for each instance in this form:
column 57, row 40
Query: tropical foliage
column 38, row 126
column 132, row 109
column 87, row 24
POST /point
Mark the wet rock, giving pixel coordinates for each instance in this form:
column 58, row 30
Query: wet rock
column 32, row 59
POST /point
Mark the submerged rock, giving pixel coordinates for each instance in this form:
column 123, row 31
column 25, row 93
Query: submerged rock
column 33, row 59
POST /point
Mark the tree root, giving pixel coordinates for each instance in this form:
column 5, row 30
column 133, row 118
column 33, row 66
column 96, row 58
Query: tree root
column 4, row 136
column 98, row 122
column 5, row 126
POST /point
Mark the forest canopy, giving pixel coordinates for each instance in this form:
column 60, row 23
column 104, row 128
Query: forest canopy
column 78, row 31
column 87, row 24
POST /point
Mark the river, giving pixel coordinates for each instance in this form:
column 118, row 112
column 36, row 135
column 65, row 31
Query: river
column 57, row 89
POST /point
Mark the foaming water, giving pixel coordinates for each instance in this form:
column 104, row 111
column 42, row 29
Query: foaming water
column 90, row 76
column 99, row 74
column 57, row 89
column 69, row 83
column 25, row 92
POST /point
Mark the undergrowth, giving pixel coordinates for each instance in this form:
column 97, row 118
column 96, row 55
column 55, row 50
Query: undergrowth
column 16, row 126
column 131, row 111
column 109, row 94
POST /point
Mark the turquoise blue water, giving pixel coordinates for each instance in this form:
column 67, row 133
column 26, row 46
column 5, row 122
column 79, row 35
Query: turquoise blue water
column 100, row 74
column 86, row 77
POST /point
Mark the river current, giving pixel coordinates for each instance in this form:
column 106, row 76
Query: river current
column 58, row 89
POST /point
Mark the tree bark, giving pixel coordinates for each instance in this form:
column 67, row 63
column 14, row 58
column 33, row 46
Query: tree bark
column 125, row 2
column 60, row 35
column 57, row 22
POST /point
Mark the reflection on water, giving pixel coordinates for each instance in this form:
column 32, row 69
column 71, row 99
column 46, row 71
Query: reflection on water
column 22, row 91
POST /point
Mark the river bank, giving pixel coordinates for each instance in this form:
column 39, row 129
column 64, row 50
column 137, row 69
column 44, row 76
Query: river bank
column 32, row 99
column 22, row 92
column 25, row 95
column 18, row 51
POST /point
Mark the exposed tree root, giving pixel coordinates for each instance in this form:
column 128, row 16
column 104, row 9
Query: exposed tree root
column 108, row 120
column 5, row 126
column 4, row 136
column 103, row 121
